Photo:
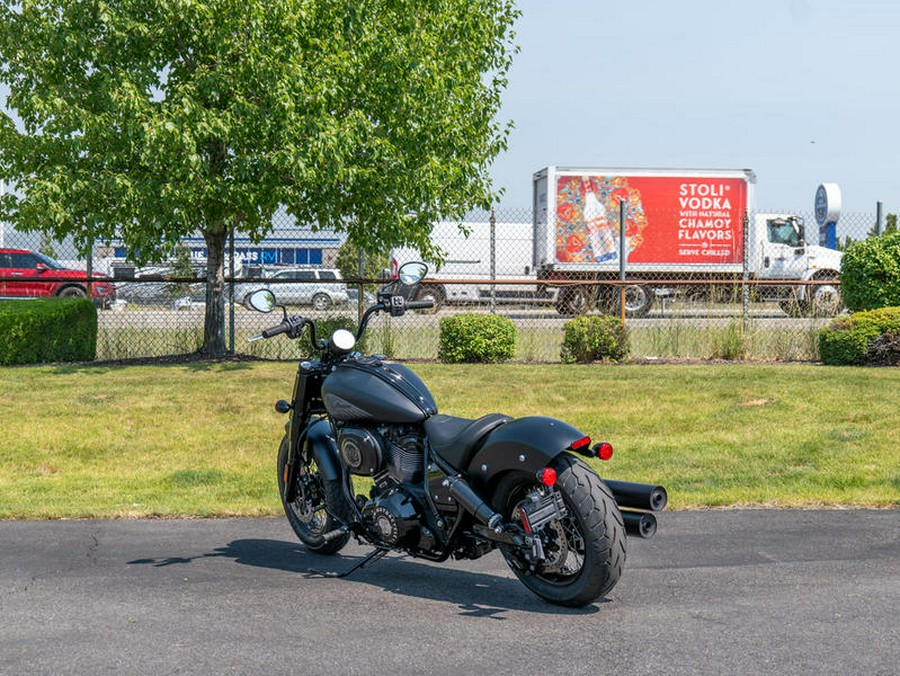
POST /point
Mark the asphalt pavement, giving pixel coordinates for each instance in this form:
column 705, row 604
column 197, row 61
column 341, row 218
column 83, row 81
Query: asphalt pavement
column 715, row 592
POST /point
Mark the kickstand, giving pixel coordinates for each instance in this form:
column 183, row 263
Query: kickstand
column 371, row 558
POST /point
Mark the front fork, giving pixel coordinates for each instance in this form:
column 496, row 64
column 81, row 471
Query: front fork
column 296, row 443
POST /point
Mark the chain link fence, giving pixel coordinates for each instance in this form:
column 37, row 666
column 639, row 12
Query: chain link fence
column 759, row 289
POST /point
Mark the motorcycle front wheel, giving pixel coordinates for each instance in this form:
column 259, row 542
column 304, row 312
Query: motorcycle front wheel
column 318, row 506
column 584, row 551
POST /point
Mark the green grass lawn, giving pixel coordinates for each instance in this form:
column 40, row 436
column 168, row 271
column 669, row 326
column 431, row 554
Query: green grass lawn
column 201, row 439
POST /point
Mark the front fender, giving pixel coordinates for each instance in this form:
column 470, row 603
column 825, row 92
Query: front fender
column 320, row 441
column 525, row 444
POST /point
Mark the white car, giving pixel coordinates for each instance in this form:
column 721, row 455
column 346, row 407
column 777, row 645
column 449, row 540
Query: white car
column 320, row 287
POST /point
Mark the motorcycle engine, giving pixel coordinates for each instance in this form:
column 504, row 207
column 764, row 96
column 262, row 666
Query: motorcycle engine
column 360, row 450
column 393, row 518
column 395, row 448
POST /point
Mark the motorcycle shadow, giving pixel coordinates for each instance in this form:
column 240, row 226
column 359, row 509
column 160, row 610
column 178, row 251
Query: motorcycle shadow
column 476, row 593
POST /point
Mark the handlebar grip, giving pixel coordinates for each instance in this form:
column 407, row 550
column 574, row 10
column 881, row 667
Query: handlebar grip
column 275, row 330
column 419, row 304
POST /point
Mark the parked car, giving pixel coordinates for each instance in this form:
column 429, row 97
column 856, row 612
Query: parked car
column 31, row 274
column 167, row 294
column 320, row 287
column 353, row 293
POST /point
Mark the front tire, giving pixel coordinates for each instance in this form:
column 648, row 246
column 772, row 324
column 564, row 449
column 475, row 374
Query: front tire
column 319, row 505
column 586, row 549
column 72, row 292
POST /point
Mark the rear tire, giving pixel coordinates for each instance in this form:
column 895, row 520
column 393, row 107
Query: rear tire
column 319, row 505
column 588, row 544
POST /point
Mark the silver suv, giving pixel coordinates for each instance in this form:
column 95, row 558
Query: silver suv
column 319, row 287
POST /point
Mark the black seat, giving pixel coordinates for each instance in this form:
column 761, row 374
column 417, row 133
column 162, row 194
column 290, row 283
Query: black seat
column 455, row 439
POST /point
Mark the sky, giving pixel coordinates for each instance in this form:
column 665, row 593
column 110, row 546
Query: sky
column 801, row 91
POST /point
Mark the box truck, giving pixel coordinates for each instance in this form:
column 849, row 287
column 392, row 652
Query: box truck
column 471, row 264
column 681, row 228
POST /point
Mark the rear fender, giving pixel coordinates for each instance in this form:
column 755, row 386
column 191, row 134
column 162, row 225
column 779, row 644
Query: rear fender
column 525, row 444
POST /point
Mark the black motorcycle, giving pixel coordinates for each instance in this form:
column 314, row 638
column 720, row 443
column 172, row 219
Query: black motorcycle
column 444, row 486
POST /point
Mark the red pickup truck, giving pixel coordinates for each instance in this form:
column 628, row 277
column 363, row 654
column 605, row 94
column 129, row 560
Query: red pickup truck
column 30, row 274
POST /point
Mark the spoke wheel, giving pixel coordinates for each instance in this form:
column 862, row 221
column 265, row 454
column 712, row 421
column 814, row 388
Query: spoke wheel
column 584, row 552
column 317, row 508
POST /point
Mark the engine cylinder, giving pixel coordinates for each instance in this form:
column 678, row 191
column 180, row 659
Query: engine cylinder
column 360, row 451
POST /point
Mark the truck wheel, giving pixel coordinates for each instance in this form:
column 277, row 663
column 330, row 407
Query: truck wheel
column 825, row 301
column 433, row 293
column 638, row 300
column 792, row 307
column 574, row 300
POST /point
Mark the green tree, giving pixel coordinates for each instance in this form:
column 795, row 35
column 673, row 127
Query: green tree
column 150, row 120
column 46, row 246
column 373, row 263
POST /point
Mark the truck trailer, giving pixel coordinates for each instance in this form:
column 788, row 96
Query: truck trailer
column 686, row 231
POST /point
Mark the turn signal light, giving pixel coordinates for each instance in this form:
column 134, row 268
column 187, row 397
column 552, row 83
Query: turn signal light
column 603, row 450
column 547, row 476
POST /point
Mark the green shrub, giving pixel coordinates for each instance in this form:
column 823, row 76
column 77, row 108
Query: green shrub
column 476, row 338
column 587, row 339
column 862, row 338
column 870, row 273
column 47, row 330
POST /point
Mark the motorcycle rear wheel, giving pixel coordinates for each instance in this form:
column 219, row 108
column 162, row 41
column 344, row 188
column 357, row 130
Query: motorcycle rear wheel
column 318, row 508
column 585, row 550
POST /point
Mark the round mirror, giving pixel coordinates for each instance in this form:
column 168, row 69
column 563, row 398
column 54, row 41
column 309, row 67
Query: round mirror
column 262, row 300
column 412, row 272
column 342, row 341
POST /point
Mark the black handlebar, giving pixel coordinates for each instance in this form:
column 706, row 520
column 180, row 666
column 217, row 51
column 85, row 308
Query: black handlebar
column 284, row 327
column 294, row 326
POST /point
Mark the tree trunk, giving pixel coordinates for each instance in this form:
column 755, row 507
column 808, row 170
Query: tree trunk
column 214, row 325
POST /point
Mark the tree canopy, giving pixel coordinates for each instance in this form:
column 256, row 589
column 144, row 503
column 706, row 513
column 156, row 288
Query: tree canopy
column 150, row 120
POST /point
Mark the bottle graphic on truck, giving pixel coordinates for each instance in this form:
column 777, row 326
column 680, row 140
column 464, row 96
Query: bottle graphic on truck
column 603, row 238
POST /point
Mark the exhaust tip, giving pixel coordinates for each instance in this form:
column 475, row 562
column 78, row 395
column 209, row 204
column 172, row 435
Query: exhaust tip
column 639, row 525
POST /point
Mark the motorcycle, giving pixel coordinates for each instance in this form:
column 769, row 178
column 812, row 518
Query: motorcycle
column 441, row 485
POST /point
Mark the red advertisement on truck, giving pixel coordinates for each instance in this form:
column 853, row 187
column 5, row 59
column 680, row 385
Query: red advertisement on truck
column 668, row 219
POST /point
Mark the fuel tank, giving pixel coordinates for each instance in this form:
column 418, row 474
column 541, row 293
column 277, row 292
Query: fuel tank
column 370, row 390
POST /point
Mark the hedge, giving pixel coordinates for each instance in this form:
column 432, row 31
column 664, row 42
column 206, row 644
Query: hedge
column 869, row 337
column 870, row 273
column 587, row 339
column 42, row 330
column 475, row 338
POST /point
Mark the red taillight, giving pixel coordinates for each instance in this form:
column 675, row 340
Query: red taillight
column 603, row 450
column 547, row 476
column 584, row 442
